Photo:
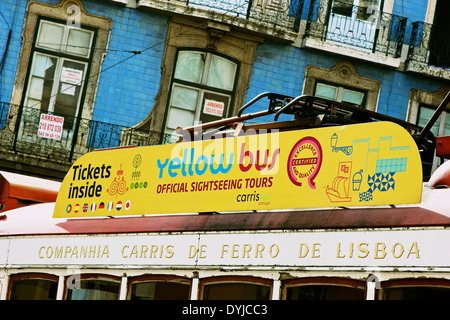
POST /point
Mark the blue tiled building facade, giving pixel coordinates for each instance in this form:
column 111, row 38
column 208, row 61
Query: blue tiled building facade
column 153, row 65
column 281, row 68
column 129, row 88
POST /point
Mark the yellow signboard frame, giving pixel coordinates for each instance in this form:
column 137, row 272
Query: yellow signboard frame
column 356, row 165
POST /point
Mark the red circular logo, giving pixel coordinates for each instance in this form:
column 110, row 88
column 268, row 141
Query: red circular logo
column 304, row 161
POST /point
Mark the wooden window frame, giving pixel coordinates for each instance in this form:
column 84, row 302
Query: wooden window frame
column 329, row 281
column 91, row 276
column 413, row 283
column 29, row 275
column 340, row 88
column 157, row 278
column 57, row 13
column 233, row 279
column 202, row 87
column 346, row 75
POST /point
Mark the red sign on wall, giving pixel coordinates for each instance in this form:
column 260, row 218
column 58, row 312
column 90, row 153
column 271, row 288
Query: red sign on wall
column 50, row 126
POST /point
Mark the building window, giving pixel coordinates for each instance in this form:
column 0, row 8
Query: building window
column 442, row 125
column 59, row 66
column 202, row 89
column 440, row 128
column 439, row 44
column 358, row 9
column 343, row 84
column 340, row 93
column 422, row 105
column 64, row 38
column 57, row 74
column 353, row 22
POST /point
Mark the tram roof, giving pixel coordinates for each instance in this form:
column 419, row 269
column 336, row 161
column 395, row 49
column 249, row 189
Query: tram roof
column 26, row 188
column 37, row 219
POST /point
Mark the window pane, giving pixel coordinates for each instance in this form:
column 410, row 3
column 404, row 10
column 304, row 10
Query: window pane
column 184, row 98
column 190, row 66
column 31, row 103
column 33, row 289
column 425, row 115
column 36, row 88
column 50, row 36
column 367, row 10
column 353, row 97
column 78, row 42
column 417, row 293
column 221, row 73
column 327, row 92
column 95, row 290
column 41, row 82
column 318, row 292
column 180, row 118
column 44, row 66
column 69, row 90
column 343, row 7
column 160, row 291
column 236, row 291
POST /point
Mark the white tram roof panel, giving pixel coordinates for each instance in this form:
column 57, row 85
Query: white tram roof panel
column 38, row 219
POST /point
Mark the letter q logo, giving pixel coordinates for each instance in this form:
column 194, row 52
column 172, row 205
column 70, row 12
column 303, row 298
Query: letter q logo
column 304, row 161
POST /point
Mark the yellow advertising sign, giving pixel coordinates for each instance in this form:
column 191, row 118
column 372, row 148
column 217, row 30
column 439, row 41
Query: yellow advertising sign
column 355, row 165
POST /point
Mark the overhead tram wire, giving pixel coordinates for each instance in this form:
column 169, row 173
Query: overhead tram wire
column 105, row 50
column 137, row 52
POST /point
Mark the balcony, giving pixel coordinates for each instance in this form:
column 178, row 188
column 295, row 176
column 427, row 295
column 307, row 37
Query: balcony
column 361, row 32
column 276, row 18
column 429, row 51
column 20, row 140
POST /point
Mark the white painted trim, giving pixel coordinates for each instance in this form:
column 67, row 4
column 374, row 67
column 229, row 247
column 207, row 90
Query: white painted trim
column 60, row 290
column 4, row 287
column 276, row 290
column 194, row 288
column 123, row 288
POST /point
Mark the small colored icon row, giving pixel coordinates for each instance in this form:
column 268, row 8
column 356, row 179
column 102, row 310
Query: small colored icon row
column 93, row 207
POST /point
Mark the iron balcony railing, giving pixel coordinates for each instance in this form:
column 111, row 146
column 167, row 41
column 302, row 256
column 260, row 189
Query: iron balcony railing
column 19, row 132
column 277, row 13
column 429, row 45
column 361, row 27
